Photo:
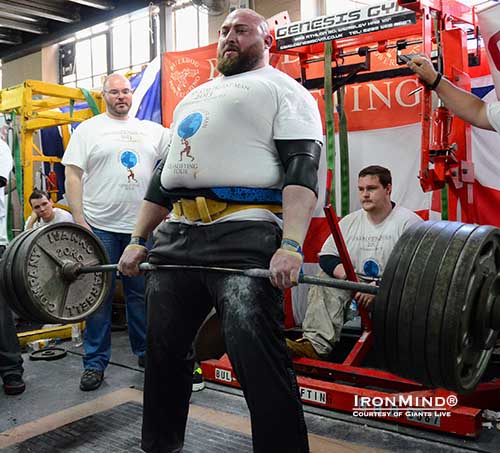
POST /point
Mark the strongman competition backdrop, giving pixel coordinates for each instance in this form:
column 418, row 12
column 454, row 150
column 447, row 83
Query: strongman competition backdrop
column 384, row 129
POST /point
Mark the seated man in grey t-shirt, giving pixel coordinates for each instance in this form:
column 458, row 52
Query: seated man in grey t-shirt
column 44, row 212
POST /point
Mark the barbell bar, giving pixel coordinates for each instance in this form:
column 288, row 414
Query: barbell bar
column 436, row 315
column 72, row 271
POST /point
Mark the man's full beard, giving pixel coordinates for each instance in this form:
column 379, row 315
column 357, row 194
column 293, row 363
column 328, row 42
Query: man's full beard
column 242, row 62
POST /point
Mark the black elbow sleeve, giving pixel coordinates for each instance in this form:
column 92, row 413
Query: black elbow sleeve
column 300, row 159
column 3, row 181
column 328, row 263
column 155, row 193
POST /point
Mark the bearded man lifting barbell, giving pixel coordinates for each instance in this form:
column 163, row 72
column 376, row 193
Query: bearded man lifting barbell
column 370, row 235
column 254, row 138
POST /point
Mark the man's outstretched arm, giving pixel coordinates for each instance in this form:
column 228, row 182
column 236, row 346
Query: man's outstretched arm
column 462, row 103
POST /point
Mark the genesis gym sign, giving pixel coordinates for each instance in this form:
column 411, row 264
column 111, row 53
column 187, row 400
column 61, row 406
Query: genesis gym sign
column 351, row 23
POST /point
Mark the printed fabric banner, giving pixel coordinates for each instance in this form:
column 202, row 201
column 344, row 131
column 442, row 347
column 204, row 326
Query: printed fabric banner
column 183, row 71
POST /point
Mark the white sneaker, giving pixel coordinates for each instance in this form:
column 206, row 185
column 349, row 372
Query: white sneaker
column 198, row 382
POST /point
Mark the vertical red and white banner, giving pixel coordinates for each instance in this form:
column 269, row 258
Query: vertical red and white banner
column 489, row 26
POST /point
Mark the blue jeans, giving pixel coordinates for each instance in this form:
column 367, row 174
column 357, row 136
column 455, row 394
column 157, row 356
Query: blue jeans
column 97, row 336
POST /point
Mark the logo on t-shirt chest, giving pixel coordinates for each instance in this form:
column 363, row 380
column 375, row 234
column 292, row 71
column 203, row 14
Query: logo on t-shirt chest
column 188, row 127
column 129, row 159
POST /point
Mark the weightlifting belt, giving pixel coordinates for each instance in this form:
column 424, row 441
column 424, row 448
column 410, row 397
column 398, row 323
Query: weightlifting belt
column 208, row 210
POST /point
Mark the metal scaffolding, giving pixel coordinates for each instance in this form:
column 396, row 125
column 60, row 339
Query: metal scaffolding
column 37, row 105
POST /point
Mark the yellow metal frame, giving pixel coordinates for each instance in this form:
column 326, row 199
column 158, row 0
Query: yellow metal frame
column 63, row 332
column 36, row 104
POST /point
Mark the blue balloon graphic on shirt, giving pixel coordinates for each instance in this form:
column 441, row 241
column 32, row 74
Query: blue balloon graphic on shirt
column 128, row 159
column 190, row 125
column 371, row 268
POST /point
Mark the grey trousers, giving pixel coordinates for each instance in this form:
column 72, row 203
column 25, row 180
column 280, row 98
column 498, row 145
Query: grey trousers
column 325, row 316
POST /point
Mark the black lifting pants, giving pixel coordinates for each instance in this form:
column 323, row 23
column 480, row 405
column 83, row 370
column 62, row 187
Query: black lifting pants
column 11, row 361
column 251, row 314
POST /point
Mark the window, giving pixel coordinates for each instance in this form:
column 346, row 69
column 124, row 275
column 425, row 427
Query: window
column 132, row 36
column 83, row 58
column 121, row 45
column 190, row 26
column 93, row 53
column 126, row 44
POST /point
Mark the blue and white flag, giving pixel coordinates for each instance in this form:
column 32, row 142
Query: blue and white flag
column 146, row 103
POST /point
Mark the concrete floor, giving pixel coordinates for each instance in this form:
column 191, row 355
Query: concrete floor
column 52, row 399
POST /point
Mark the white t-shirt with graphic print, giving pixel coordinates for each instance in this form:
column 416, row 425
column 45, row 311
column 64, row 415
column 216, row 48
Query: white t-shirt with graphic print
column 117, row 158
column 223, row 132
column 370, row 245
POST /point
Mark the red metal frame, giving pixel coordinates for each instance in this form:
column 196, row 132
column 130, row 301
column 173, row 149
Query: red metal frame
column 319, row 381
column 363, row 345
column 460, row 419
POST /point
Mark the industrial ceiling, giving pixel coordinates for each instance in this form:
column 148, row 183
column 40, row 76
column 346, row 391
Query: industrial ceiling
column 28, row 25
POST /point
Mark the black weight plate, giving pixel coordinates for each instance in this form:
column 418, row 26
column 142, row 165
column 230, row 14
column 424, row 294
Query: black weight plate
column 18, row 287
column 385, row 313
column 441, row 288
column 41, row 277
column 13, row 294
column 380, row 308
column 48, row 354
column 462, row 365
column 5, row 287
column 408, row 300
column 484, row 331
column 26, row 286
column 483, row 334
column 426, row 266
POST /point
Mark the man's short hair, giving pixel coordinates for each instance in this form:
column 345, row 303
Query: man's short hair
column 37, row 194
column 384, row 175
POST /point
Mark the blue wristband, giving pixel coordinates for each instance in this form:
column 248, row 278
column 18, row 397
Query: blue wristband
column 290, row 244
column 137, row 240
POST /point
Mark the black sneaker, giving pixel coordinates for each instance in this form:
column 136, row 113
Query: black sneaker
column 91, row 380
column 198, row 383
column 13, row 384
column 141, row 361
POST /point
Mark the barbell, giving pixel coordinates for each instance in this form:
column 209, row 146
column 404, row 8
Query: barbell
column 435, row 319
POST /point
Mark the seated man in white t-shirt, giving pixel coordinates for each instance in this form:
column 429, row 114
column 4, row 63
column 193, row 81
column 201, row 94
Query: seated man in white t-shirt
column 44, row 212
column 370, row 234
